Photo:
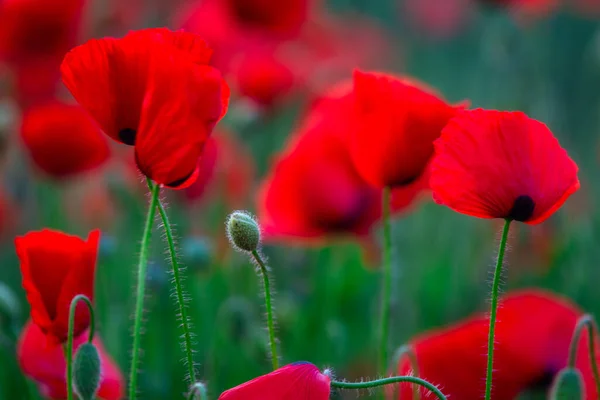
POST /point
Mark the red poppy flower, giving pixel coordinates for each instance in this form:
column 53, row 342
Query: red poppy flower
column 62, row 139
column 313, row 189
column 297, row 381
column 128, row 86
column 533, row 334
column 46, row 365
column 56, row 267
column 397, row 121
column 495, row 164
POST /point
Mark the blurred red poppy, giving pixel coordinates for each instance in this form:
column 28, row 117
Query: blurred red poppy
column 56, row 267
column 497, row 164
column 226, row 168
column 128, row 86
column 397, row 121
column 313, row 189
column 62, row 139
column 438, row 19
column 297, row 381
column 533, row 334
column 46, row 365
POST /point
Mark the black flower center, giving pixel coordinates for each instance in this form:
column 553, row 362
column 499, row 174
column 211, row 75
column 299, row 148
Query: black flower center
column 522, row 209
column 179, row 182
column 127, row 136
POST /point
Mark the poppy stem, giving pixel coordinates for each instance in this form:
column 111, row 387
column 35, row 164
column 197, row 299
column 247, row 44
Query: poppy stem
column 69, row 349
column 586, row 321
column 141, row 288
column 177, row 280
column 386, row 294
column 408, row 350
column 270, row 321
column 387, row 381
column 494, row 309
column 199, row 389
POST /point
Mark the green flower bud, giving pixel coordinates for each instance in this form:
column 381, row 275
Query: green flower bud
column 86, row 372
column 243, row 231
column 568, row 385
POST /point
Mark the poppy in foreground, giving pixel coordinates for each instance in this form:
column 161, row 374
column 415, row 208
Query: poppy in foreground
column 62, row 139
column 152, row 89
column 297, row 381
column 45, row 364
column 397, row 120
column 498, row 164
column 313, row 190
column 56, row 267
column 532, row 344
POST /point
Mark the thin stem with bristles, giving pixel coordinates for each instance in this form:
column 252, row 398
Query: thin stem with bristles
column 586, row 321
column 69, row 349
column 141, row 289
column 387, row 381
column 270, row 319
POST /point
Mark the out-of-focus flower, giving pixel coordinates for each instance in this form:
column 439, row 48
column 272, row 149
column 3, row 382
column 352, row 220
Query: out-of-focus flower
column 226, row 168
column 297, row 381
column 45, row 364
column 313, row 190
column 155, row 90
column 533, row 334
column 438, row 19
column 495, row 164
column 396, row 122
column 62, row 140
column 56, row 267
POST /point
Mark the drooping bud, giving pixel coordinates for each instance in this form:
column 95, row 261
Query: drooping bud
column 568, row 385
column 243, row 231
column 86, row 372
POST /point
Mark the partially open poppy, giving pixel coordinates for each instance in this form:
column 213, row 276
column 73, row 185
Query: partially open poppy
column 153, row 89
column 62, row 139
column 56, row 267
column 297, row 381
column 45, row 364
column 397, row 120
column 533, row 334
column 498, row 164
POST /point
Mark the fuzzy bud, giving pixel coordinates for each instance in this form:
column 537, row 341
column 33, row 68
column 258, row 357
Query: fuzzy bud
column 243, row 231
column 86, row 372
column 568, row 385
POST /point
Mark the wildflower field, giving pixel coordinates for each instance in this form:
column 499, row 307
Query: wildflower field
column 299, row 199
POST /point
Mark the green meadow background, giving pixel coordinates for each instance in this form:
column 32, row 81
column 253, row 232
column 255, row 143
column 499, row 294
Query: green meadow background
column 326, row 300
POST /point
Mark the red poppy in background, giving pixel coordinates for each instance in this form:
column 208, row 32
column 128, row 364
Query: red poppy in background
column 533, row 334
column 297, row 381
column 62, row 139
column 56, row 267
column 397, row 121
column 46, row 365
column 155, row 90
column 313, row 189
column 438, row 19
column 499, row 164
column 226, row 168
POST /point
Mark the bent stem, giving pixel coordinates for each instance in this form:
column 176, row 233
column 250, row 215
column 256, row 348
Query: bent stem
column 494, row 309
column 387, row 381
column 386, row 294
column 407, row 350
column 586, row 321
column 177, row 280
column 270, row 321
column 198, row 389
column 69, row 350
column 141, row 288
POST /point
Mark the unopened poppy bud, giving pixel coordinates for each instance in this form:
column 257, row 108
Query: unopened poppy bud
column 86, row 372
column 568, row 385
column 243, row 231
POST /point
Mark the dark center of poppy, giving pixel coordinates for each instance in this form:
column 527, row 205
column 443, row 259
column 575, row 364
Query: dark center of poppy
column 127, row 136
column 522, row 209
column 179, row 182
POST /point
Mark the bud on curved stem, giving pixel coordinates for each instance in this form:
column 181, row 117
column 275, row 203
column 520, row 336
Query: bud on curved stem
column 586, row 321
column 243, row 231
column 198, row 392
column 86, row 371
column 69, row 350
column 387, row 381
column 568, row 385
